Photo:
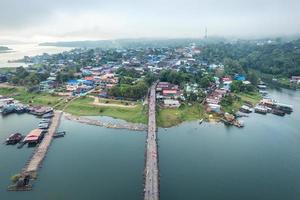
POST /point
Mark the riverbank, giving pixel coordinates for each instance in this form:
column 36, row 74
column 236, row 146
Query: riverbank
column 94, row 122
column 84, row 107
column 20, row 94
column 240, row 99
column 134, row 112
column 168, row 117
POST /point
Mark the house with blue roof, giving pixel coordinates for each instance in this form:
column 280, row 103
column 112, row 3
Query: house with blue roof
column 239, row 77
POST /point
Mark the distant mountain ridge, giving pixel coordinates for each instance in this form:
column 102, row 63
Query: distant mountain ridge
column 130, row 43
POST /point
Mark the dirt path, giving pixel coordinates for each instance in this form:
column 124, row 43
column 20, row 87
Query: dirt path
column 97, row 103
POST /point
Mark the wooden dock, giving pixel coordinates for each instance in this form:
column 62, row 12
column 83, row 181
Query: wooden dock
column 43, row 147
column 40, row 152
column 151, row 184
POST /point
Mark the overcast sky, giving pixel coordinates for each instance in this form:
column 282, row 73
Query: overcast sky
column 57, row 20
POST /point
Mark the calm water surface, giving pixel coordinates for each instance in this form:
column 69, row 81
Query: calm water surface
column 21, row 50
column 88, row 163
column 214, row 162
column 207, row 161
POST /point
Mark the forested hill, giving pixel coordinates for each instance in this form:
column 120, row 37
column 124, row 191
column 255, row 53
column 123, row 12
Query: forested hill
column 276, row 58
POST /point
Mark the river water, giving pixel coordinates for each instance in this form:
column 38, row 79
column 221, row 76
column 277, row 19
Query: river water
column 20, row 50
column 207, row 161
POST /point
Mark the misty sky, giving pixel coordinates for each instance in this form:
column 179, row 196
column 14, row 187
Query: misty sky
column 57, row 20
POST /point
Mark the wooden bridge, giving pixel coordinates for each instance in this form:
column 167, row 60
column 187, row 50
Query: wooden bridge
column 151, row 185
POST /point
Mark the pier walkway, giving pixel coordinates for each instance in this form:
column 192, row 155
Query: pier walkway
column 40, row 152
column 151, row 185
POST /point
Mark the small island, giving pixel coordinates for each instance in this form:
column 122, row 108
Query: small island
column 4, row 49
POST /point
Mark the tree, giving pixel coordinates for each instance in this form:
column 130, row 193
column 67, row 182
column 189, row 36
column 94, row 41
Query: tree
column 253, row 78
column 205, row 81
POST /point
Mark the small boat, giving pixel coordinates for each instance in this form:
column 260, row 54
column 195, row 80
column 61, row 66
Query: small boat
column 33, row 137
column 263, row 92
column 59, row 134
column 278, row 112
column 239, row 124
column 288, row 109
column 48, row 115
column 11, row 108
column 245, row 109
column 200, row 121
column 260, row 110
column 14, row 138
column 44, row 126
column 46, row 120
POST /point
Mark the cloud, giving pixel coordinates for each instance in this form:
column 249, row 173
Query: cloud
column 37, row 20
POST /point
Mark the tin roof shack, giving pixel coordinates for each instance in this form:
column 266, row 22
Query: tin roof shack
column 107, row 80
column 47, row 85
column 167, row 90
column 295, row 79
column 40, row 110
column 170, row 103
column 213, row 108
column 72, row 85
column 216, row 96
column 239, row 77
column 34, row 136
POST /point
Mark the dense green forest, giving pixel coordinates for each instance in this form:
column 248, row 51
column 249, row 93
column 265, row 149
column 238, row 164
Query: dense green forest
column 277, row 58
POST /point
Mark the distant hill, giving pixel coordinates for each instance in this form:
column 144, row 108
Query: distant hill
column 4, row 49
column 131, row 43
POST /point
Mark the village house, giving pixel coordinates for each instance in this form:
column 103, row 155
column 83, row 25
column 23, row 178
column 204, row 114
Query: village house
column 214, row 99
column 171, row 103
column 295, row 79
column 167, row 91
column 226, row 83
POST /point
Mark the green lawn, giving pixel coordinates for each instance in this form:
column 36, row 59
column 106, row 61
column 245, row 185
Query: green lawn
column 253, row 98
column 118, row 102
column 84, row 107
column 30, row 98
column 167, row 117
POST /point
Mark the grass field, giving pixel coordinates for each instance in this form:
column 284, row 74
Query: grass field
column 253, row 98
column 167, row 117
column 31, row 98
column 83, row 107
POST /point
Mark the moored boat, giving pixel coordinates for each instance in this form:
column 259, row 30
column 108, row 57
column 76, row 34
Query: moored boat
column 14, row 138
column 48, row 115
column 260, row 110
column 59, row 134
column 284, row 107
column 278, row 112
column 245, row 109
column 8, row 109
column 44, row 125
column 33, row 137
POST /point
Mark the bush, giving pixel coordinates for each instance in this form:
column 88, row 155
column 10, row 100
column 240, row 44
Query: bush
column 15, row 178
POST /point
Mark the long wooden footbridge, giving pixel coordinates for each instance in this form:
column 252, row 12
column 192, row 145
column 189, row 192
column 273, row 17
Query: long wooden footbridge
column 151, row 184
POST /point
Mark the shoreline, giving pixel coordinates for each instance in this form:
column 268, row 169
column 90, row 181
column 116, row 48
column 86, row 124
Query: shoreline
column 96, row 122
column 136, row 114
